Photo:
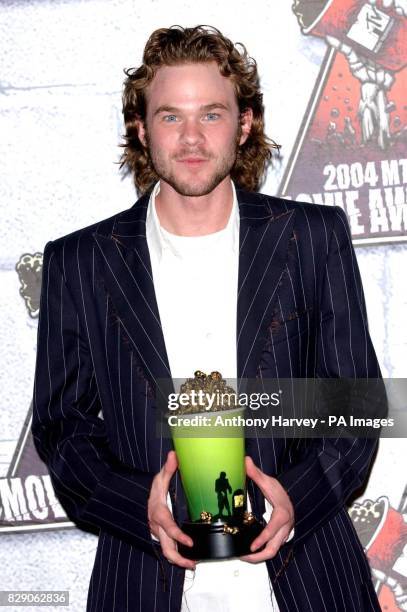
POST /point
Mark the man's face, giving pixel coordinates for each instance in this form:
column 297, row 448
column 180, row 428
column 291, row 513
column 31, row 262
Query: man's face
column 193, row 127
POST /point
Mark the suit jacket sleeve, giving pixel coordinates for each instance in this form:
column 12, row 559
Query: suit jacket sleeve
column 332, row 468
column 96, row 490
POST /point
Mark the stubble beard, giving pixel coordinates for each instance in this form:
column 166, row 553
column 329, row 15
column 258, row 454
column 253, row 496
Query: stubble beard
column 200, row 187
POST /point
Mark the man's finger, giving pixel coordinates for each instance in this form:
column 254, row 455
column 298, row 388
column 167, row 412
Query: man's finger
column 174, row 532
column 264, row 482
column 265, row 536
column 165, row 521
column 170, row 467
column 277, row 522
column 170, row 552
column 253, row 472
column 271, row 549
column 268, row 553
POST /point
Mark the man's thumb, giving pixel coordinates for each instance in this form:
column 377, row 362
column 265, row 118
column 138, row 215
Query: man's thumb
column 170, row 466
column 251, row 469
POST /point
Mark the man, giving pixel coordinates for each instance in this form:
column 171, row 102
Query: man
column 201, row 272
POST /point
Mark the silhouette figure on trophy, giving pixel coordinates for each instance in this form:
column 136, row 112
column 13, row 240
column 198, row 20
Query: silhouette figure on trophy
column 222, row 488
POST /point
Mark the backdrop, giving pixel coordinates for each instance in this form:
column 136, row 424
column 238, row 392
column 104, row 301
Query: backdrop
column 333, row 77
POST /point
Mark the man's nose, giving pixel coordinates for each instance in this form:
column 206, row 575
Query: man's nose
column 191, row 132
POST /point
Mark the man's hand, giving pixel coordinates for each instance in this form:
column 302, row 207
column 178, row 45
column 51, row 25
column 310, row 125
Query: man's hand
column 160, row 519
column 279, row 526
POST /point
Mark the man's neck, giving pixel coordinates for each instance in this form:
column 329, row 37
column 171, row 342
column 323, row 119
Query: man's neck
column 194, row 216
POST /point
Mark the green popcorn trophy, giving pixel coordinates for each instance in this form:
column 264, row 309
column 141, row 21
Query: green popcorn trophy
column 212, row 468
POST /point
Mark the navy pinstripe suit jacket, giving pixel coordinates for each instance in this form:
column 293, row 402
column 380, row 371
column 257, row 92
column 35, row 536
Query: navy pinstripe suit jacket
column 301, row 313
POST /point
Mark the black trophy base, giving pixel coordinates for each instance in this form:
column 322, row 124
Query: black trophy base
column 218, row 541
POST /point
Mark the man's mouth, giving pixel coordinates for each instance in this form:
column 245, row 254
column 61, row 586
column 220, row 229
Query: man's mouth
column 192, row 160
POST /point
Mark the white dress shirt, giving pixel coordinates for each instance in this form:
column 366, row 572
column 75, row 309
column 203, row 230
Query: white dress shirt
column 195, row 281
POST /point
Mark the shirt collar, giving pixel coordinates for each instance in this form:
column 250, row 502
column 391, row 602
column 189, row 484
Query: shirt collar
column 156, row 238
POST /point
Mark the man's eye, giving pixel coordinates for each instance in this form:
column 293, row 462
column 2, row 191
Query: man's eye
column 170, row 118
column 212, row 116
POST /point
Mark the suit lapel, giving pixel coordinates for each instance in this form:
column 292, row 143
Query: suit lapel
column 265, row 229
column 124, row 263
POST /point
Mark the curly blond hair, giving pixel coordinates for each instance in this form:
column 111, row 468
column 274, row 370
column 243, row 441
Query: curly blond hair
column 177, row 45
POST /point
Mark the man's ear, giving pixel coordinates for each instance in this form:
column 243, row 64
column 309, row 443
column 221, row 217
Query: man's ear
column 246, row 120
column 141, row 131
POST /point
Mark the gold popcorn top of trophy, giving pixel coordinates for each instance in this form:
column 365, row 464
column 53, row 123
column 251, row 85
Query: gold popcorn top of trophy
column 204, row 386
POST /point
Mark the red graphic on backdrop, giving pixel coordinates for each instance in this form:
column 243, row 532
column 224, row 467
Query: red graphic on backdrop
column 351, row 150
column 382, row 531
